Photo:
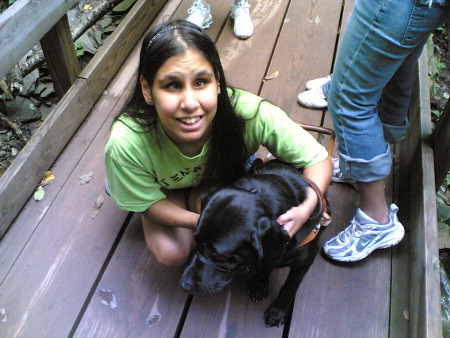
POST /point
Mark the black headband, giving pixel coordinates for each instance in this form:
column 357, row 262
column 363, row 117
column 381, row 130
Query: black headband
column 165, row 30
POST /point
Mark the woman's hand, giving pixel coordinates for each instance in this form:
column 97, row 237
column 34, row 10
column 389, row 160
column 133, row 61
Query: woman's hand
column 295, row 217
column 320, row 173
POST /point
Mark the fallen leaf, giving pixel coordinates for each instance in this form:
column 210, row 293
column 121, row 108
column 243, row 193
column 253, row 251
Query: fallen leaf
column 39, row 194
column 86, row 178
column 271, row 76
column 95, row 213
column 99, row 202
column 48, row 178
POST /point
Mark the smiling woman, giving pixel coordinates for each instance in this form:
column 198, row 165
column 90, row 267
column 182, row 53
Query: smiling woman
column 184, row 129
column 184, row 93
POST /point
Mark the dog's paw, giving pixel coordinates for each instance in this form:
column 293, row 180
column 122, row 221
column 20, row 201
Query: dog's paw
column 275, row 317
column 258, row 291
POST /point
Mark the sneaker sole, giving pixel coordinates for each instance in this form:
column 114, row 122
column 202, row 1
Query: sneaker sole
column 311, row 106
column 399, row 234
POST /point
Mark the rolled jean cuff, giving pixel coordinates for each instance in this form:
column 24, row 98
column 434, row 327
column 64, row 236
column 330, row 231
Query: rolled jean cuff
column 395, row 134
column 362, row 170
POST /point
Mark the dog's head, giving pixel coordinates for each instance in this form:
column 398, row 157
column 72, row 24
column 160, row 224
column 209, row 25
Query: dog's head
column 237, row 228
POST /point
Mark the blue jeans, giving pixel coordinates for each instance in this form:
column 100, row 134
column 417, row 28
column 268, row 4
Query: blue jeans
column 371, row 86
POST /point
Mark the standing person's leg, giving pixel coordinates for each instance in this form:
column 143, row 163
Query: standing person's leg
column 378, row 40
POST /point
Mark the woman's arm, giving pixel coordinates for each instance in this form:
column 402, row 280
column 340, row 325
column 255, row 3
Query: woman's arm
column 165, row 212
column 320, row 173
column 181, row 208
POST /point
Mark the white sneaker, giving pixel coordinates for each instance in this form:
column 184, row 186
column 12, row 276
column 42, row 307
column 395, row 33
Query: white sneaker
column 317, row 83
column 200, row 15
column 313, row 98
column 363, row 236
column 243, row 25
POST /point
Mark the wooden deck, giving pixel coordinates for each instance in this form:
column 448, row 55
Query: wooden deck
column 66, row 270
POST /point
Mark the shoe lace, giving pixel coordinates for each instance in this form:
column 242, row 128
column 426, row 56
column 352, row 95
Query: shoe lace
column 196, row 6
column 354, row 229
column 242, row 8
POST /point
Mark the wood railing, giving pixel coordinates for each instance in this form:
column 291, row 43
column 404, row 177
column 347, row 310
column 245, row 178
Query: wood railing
column 21, row 27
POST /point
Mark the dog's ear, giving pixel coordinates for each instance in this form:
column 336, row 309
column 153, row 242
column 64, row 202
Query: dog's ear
column 262, row 227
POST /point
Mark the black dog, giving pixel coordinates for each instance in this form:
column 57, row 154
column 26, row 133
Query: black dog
column 238, row 229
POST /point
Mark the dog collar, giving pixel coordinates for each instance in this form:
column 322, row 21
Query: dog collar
column 205, row 260
column 325, row 219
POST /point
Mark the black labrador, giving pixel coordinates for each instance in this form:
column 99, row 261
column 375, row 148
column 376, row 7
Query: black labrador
column 238, row 231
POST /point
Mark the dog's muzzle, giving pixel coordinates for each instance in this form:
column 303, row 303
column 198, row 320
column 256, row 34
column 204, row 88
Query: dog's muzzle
column 203, row 277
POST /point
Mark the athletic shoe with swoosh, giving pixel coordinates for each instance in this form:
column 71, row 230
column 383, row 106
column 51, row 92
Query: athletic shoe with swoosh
column 363, row 236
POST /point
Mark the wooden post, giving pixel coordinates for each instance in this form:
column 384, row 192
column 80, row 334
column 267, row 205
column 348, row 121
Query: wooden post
column 441, row 146
column 59, row 51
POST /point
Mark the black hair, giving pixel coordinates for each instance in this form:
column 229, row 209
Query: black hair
column 228, row 154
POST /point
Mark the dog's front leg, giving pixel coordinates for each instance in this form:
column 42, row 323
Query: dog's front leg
column 258, row 288
column 279, row 310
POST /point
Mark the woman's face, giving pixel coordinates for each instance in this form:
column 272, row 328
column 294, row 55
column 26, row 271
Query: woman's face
column 184, row 93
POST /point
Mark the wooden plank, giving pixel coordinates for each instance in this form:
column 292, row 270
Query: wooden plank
column 30, row 217
column 21, row 178
column 59, row 51
column 420, row 203
column 309, row 26
column 245, row 61
column 232, row 313
column 441, row 145
column 399, row 312
column 149, row 300
column 23, row 24
column 46, row 288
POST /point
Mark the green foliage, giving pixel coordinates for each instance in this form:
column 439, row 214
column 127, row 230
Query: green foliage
column 79, row 48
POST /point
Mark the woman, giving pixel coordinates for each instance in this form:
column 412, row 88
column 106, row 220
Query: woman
column 184, row 128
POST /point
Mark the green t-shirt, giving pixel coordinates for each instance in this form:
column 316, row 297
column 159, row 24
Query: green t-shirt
column 139, row 164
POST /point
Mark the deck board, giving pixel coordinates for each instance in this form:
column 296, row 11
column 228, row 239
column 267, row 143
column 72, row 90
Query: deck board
column 60, row 268
column 304, row 51
column 149, row 301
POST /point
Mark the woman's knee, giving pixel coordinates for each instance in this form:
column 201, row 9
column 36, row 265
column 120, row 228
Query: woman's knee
column 170, row 254
column 171, row 246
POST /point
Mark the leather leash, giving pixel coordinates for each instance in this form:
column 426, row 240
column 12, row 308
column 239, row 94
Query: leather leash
column 324, row 220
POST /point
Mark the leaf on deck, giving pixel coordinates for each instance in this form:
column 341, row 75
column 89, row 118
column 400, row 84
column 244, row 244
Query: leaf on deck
column 271, row 76
column 86, row 178
column 47, row 179
column 39, row 194
column 98, row 204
